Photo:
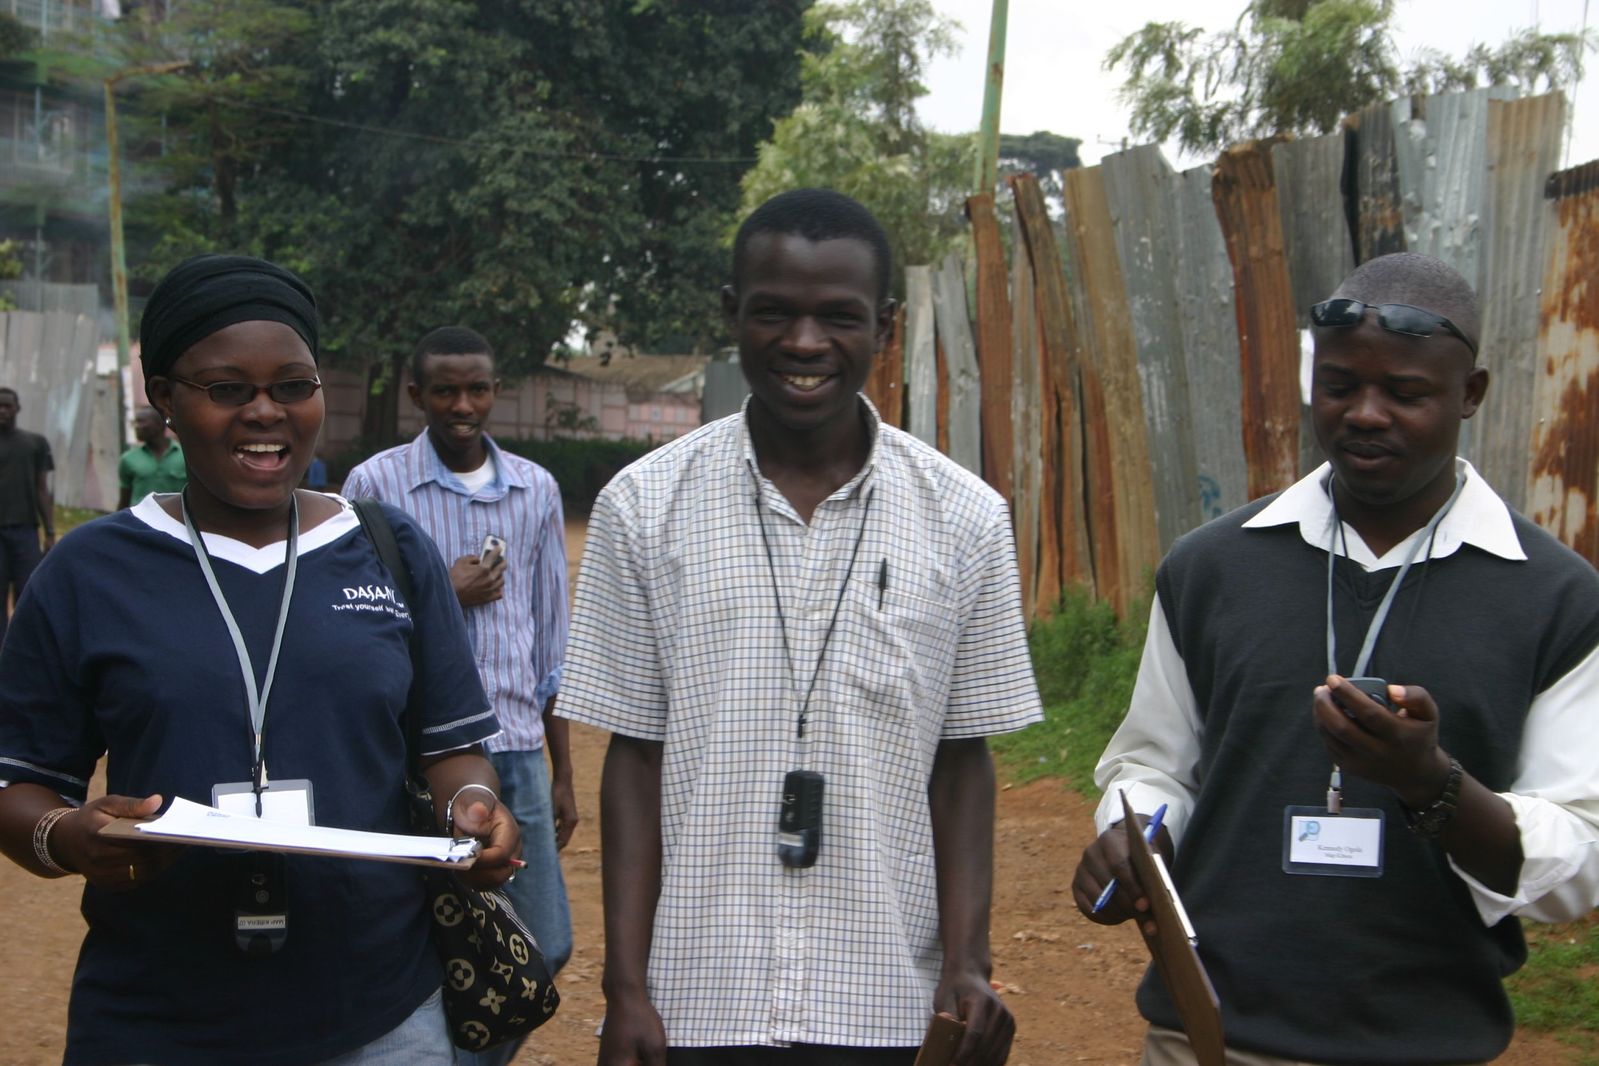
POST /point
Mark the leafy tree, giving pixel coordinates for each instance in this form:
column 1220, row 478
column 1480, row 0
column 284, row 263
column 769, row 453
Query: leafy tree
column 1298, row 66
column 1046, row 155
column 856, row 129
column 15, row 36
column 10, row 268
column 508, row 165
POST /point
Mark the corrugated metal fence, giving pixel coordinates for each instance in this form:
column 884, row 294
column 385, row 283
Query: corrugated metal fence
column 1138, row 366
column 49, row 358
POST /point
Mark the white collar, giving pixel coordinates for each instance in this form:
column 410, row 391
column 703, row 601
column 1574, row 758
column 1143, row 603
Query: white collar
column 1479, row 518
column 259, row 560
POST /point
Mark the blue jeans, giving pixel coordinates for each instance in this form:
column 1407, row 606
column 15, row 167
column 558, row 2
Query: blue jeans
column 539, row 891
column 19, row 554
column 423, row 1039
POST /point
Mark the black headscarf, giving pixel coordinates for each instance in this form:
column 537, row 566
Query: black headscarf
column 206, row 293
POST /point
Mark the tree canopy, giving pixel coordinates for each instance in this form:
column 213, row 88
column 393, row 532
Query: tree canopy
column 1299, row 66
column 856, row 128
column 511, row 166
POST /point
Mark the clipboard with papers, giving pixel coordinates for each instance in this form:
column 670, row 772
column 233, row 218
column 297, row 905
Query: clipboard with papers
column 1174, row 948
column 186, row 822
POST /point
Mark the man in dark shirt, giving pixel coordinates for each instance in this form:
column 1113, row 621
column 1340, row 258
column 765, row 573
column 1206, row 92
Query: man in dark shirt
column 25, row 503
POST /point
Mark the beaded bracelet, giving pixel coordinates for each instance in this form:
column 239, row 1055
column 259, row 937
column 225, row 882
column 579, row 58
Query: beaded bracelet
column 41, row 839
column 449, row 808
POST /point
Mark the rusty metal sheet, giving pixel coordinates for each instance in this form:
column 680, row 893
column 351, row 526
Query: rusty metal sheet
column 1206, row 312
column 993, row 343
column 955, row 338
column 1119, row 492
column 1140, row 187
column 1523, row 149
column 1245, row 195
column 1371, row 183
column 1309, row 175
column 1026, row 423
column 1563, row 496
column 1064, row 554
column 921, row 371
column 885, row 385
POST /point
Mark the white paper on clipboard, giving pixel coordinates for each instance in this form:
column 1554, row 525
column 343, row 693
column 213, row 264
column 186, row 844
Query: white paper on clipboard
column 207, row 825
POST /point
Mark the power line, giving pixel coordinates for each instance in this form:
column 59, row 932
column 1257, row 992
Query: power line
column 436, row 139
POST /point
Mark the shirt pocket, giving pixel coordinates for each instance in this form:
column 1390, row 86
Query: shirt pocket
column 899, row 666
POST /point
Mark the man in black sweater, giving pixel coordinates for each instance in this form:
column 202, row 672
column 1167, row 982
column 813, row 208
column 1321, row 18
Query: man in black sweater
column 1354, row 855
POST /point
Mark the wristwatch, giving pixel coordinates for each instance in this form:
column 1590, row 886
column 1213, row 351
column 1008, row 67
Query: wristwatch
column 1430, row 821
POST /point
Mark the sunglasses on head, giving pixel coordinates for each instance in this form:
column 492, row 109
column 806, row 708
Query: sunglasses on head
column 239, row 393
column 1395, row 318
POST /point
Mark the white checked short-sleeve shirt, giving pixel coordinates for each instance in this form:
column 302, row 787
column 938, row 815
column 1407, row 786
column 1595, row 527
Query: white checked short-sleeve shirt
column 676, row 638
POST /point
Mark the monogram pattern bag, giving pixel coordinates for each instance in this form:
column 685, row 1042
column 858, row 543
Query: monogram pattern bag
column 496, row 984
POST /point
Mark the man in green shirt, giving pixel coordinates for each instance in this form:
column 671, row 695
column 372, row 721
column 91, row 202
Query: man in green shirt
column 154, row 465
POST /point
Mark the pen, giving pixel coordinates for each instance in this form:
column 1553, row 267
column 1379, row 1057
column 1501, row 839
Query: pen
column 882, row 583
column 1149, row 834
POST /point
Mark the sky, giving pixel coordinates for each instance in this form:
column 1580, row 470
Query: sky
column 1054, row 76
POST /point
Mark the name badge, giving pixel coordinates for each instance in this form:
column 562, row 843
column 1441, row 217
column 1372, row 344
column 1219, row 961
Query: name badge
column 1333, row 845
column 288, row 800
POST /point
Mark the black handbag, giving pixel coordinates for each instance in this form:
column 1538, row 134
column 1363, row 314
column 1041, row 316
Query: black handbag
column 497, row 986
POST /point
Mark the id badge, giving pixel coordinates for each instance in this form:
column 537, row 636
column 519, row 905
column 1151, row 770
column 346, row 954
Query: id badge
column 1333, row 845
column 288, row 800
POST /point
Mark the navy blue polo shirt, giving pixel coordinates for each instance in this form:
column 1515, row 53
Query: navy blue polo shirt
column 117, row 648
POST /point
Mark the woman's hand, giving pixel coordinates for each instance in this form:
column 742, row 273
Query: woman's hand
column 478, row 814
column 109, row 863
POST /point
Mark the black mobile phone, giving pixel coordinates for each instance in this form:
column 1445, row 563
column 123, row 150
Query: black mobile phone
column 1373, row 687
column 799, row 822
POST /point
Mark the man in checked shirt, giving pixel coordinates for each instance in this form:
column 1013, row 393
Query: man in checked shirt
column 800, row 626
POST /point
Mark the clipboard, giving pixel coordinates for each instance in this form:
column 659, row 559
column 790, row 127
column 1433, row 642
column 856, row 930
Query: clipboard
column 1174, row 951
column 943, row 1036
column 125, row 829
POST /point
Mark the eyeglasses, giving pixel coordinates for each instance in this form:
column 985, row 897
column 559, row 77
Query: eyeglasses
column 239, row 393
column 1395, row 318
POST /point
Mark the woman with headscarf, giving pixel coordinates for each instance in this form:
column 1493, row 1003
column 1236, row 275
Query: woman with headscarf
column 240, row 634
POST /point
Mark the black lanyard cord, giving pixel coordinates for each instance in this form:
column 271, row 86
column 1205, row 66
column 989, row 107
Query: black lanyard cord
column 777, row 596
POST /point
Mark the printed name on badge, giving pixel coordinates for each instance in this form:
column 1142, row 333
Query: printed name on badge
column 1335, row 845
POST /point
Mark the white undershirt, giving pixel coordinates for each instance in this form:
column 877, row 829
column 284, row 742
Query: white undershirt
column 476, row 479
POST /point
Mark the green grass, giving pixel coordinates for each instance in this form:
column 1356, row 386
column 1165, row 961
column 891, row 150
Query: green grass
column 70, row 518
column 1557, row 991
column 1086, row 660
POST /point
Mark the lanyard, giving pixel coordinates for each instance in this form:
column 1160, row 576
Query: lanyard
column 257, row 697
column 1335, row 784
column 777, row 595
column 1375, row 628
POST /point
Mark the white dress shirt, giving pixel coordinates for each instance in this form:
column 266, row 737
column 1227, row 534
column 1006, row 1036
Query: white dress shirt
column 1554, row 797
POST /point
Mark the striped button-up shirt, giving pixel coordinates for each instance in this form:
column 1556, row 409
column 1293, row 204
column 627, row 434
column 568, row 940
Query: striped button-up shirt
column 520, row 639
column 677, row 637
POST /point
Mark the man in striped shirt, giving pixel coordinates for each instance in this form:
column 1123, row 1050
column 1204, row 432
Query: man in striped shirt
column 463, row 489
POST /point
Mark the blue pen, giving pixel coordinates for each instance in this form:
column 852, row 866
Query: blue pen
column 1149, row 834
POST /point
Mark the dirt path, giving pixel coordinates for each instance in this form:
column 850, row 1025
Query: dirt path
column 1069, row 983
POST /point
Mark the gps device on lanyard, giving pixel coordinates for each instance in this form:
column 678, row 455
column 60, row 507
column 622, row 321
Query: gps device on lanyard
column 799, row 820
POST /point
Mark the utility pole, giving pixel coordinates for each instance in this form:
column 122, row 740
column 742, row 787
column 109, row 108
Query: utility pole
column 119, row 261
column 988, row 134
